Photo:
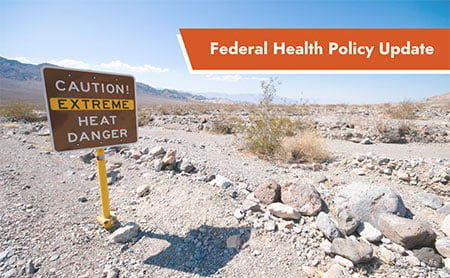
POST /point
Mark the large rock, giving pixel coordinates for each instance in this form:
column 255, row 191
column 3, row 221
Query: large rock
column 347, row 222
column 283, row 211
column 157, row 151
column 125, row 234
column 429, row 257
column 222, row 182
column 406, row 232
column 268, row 192
column 170, row 158
column 443, row 247
column 430, row 200
column 303, row 197
column 368, row 201
column 327, row 226
column 445, row 227
column 352, row 249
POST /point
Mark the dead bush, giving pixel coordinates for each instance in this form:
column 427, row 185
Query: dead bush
column 19, row 111
column 405, row 110
column 307, row 146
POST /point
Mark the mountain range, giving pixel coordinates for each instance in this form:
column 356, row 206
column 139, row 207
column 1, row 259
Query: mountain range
column 23, row 82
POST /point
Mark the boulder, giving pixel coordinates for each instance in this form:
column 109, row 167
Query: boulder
column 302, row 197
column 369, row 232
column 268, row 192
column 445, row 227
column 429, row 257
column 367, row 202
column 406, row 232
column 443, row 247
column 327, row 226
column 427, row 199
column 352, row 249
column 283, row 211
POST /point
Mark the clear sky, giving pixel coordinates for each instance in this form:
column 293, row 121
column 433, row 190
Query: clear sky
column 139, row 38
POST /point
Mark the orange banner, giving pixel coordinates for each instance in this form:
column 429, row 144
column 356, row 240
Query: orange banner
column 316, row 49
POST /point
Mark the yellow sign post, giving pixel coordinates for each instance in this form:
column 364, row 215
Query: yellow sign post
column 106, row 219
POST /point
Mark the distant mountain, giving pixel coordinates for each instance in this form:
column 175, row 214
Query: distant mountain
column 23, row 82
column 441, row 99
column 246, row 98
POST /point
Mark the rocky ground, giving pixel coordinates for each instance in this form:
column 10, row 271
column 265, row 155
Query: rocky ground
column 192, row 203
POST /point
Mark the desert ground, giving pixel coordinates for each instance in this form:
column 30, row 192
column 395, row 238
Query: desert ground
column 193, row 201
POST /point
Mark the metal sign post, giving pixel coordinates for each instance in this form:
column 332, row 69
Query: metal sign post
column 106, row 219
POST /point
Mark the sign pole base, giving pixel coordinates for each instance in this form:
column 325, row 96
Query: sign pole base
column 106, row 220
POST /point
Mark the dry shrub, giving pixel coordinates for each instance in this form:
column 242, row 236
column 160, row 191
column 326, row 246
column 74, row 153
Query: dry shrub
column 405, row 110
column 19, row 111
column 144, row 118
column 227, row 125
column 308, row 146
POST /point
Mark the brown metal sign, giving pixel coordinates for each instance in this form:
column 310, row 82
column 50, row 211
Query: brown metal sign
column 89, row 109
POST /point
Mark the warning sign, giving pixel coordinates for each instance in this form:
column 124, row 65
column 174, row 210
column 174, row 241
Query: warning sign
column 89, row 109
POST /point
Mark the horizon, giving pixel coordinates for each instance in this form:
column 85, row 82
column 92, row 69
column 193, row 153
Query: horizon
column 125, row 39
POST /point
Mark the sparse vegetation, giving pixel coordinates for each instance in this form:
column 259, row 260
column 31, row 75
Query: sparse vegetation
column 144, row 118
column 405, row 110
column 19, row 112
column 227, row 125
column 307, row 146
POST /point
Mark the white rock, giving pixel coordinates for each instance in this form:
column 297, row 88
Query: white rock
column 157, row 151
column 326, row 246
column 222, row 182
column 143, row 190
column 443, row 247
column 336, row 271
column 403, row 175
column 369, row 232
column 344, row 262
column 447, row 263
column 413, row 260
column 238, row 214
column 359, row 172
column 445, row 227
column 386, row 255
column 283, row 211
column 125, row 233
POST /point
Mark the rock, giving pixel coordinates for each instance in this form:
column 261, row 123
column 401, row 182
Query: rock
column 270, row 226
column 369, row 232
column 86, row 157
column 352, row 249
column 413, row 261
column 10, row 273
column 268, row 192
column 326, row 246
column 359, row 172
column 347, row 222
column 157, row 151
column 447, row 263
column 428, row 256
column 406, row 232
column 443, row 247
column 445, row 227
column 366, row 141
column 386, row 255
column 187, row 167
column 112, row 176
column 430, row 200
column 135, row 154
column 309, row 272
column 30, row 268
column 170, row 158
column 82, row 199
column 125, row 234
column 302, row 197
column 368, row 201
column 239, row 214
column 143, row 190
column 250, row 205
column 222, row 182
column 69, row 173
column 444, row 210
column 234, row 241
column 387, row 171
column 403, row 175
column 158, row 164
column 327, row 226
column 343, row 261
column 111, row 272
column 393, row 137
column 336, row 271
column 5, row 255
column 283, row 211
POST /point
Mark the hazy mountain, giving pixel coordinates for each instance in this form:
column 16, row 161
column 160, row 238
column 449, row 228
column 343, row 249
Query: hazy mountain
column 248, row 98
column 23, row 82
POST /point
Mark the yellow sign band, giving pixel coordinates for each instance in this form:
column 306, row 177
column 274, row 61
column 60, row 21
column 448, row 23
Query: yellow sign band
column 96, row 104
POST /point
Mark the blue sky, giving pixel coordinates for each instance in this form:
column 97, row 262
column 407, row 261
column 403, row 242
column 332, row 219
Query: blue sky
column 139, row 38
